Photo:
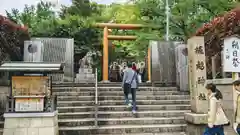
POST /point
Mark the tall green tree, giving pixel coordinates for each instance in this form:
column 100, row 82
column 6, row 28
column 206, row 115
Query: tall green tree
column 185, row 17
column 43, row 22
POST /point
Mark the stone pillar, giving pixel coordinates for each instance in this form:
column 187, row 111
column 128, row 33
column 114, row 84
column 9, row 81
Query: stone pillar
column 197, row 74
column 31, row 124
column 197, row 119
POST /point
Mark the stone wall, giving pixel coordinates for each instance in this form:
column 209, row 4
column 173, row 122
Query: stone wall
column 31, row 124
column 4, row 92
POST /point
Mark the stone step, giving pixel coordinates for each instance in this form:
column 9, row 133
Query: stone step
column 111, row 84
column 118, row 97
column 119, row 92
column 165, row 133
column 121, row 114
column 120, row 121
column 121, row 102
column 87, row 89
column 123, row 129
column 124, row 108
column 118, row 108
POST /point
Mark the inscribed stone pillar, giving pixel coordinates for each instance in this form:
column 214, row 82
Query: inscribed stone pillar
column 197, row 74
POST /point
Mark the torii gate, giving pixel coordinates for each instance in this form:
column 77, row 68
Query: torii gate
column 107, row 37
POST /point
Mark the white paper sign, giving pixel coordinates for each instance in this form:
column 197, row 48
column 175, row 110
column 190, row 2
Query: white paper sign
column 231, row 55
column 25, row 105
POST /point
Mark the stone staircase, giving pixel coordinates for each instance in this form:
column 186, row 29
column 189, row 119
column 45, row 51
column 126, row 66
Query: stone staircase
column 1, row 127
column 160, row 111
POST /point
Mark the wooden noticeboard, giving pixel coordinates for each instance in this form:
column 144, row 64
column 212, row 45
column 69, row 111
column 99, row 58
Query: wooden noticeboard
column 29, row 85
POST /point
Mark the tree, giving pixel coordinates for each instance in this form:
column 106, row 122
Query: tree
column 12, row 38
column 186, row 16
column 43, row 22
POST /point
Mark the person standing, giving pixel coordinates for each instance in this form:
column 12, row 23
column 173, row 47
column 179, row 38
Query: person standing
column 236, row 85
column 130, row 84
column 134, row 67
column 216, row 116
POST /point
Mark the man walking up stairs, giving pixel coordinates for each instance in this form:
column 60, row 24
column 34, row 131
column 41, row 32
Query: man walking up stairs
column 160, row 111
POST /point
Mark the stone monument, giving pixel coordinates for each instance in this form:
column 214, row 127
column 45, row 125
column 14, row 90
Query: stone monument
column 197, row 119
column 85, row 74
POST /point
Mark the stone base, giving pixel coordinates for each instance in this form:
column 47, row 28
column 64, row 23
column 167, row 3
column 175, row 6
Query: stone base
column 31, row 124
column 149, row 81
column 85, row 78
column 195, row 118
column 105, row 81
column 193, row 129
column 196, row 123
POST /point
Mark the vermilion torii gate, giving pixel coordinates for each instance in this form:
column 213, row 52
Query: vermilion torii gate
column 107, row 37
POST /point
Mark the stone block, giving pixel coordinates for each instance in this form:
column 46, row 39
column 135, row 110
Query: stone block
column 21, row 131
column 48, row 122
column 90, row 76
column 47, row 131
column 25, row 122
column 8, row 131
column 36, row 122
column 31, row 124
column 56, row 120
column 11, row 123
column 56, row 130
column 90, row 70
column 193, row 129
column 33, row 131
column 197, row 119
column 80, row 75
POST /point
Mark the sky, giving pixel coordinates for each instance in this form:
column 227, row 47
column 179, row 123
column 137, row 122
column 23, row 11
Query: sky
column 19, row 4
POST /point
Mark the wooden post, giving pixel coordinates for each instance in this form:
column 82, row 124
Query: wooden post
column 149, row 64
column 105, row 54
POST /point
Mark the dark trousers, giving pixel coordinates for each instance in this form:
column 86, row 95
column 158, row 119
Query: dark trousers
column 216, row 130
column 127, row 90
column 238, row 130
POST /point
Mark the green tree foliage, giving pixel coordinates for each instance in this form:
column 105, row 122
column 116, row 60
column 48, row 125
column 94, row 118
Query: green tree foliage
column 43, row 22
column 77, row 21
column 186, row 15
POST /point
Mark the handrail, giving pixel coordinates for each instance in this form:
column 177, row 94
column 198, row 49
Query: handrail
column 96, row 99
column 96, row 87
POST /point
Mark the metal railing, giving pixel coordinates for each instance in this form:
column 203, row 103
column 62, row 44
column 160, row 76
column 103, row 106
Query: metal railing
column 96, row 99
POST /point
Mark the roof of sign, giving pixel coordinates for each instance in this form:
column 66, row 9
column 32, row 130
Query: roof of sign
column 32, row 67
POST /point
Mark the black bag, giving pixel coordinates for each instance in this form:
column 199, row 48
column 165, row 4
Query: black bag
column 127, row 86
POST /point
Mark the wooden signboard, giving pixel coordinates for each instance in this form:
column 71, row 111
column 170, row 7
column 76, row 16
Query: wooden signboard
column 29, row 85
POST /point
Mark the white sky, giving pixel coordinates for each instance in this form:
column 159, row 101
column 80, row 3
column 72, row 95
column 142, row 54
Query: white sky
column 19, row 4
